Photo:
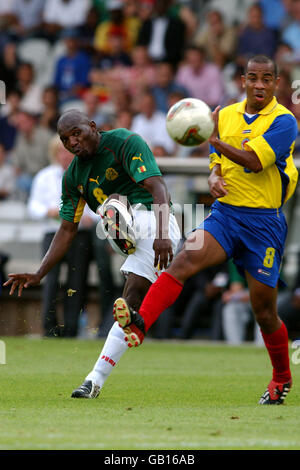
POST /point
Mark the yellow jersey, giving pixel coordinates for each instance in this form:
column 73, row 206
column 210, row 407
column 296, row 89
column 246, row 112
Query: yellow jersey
column 271, row 135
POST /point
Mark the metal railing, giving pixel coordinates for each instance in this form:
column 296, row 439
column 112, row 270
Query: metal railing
column 190, row 166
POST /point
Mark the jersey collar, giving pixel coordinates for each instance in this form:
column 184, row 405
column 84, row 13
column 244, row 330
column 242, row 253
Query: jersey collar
column 267, row 110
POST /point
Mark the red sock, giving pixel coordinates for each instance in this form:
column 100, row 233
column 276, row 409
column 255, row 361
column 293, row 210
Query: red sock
column 160, row 296
column 278, row 348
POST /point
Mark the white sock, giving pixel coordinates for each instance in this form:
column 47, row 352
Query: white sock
column 113, row 349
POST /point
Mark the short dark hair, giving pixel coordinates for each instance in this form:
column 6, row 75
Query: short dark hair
column 262, row 59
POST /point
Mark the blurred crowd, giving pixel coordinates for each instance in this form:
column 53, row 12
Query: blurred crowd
column 124, row 63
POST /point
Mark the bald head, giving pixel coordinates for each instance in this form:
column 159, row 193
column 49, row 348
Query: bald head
column 72, row 118
column 78, row 134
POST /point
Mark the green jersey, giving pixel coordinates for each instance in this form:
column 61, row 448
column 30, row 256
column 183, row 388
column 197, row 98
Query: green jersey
column 121, row 162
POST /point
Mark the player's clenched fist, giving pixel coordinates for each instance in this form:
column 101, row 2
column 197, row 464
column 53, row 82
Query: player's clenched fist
column 217, row 186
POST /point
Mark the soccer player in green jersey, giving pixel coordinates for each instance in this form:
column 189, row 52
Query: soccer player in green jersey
column 105, row 164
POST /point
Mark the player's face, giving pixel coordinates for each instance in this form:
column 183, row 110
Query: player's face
column 80, row 139
column 260, row 83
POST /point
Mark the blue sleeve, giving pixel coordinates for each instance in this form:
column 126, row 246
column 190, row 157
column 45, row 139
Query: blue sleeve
column 58, row 68
column 281, row 134
column 213, row 150
column 83, row 70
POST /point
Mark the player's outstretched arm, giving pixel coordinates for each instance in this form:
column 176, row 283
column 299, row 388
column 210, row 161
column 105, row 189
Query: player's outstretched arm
column 59, row 246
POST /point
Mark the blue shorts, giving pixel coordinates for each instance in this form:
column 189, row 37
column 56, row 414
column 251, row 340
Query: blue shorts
column 254, row 238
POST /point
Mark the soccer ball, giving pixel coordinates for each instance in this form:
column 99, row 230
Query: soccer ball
column 190, row 122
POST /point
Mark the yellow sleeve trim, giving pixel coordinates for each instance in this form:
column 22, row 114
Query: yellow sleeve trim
column 263, row 150
column 214, row 159
column 79, row 210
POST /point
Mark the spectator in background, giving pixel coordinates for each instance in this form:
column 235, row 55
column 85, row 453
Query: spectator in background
column 291, row 33
column 43, row 204
column 217, row 39
column 233, row 11
column 163, row 35
column 255, row 37
column 138, row 76
column 117, row 55
column 31, row 90
column 289, row 306
column 117, row 25
column 151, row 124
column 295, row 108
column 9, row 65
column 198, row 75
column 285, row 58
column 119, row 101
column 50, row 113
column 182, row 10
column 3, row 260
column 72, row 69
column 30, row 152
column 6, row 14
column 7, row 176
column 8, row 120
column 173, row 97
column 28, row 17
column 274, row 13
column 235, row 90
column 100, row 7
column 124, row 120
column 164, row 85
column 284, row 90
column 87, row 31
column 64, row 14
column 92, row 108
column 145, row 9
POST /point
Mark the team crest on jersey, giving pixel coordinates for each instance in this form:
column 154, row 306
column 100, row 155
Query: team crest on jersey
column 244, row 141
column 111, row 174
column 80, row 188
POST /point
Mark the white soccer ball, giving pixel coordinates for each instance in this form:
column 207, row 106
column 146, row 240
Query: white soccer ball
column 190, row 122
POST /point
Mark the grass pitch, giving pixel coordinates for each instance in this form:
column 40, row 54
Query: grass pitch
column 164, row 395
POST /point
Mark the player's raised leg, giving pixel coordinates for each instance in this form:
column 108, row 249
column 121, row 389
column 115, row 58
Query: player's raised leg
column 264, row 304
column 200, row 251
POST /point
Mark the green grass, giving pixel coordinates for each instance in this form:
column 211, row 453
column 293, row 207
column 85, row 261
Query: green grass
column 164, row 395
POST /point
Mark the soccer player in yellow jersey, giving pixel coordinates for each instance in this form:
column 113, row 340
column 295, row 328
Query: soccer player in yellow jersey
column 252, row 176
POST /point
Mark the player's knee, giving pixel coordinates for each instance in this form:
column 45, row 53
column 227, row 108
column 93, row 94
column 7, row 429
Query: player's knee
column 184, row 265
column 264, row 313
